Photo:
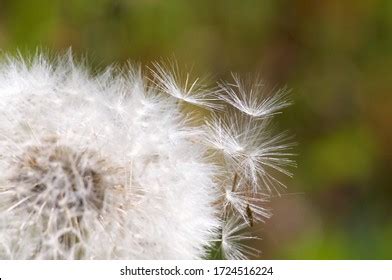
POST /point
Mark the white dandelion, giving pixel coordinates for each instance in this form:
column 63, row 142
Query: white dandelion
column 109, row 166
column 96, row 168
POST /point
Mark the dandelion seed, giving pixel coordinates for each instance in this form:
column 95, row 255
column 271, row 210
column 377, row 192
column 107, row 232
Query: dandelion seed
column 248, row 97
column 184, row 89
column 250, row 148
column 234, row 238
column 250, row 206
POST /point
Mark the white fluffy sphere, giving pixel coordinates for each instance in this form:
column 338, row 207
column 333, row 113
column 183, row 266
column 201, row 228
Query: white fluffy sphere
column 109, row 166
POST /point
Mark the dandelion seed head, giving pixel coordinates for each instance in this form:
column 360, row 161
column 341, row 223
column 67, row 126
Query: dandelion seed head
column 98, row 167
column 104, row 166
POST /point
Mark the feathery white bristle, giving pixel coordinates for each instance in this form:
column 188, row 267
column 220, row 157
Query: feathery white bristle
column 249, row 97
column 249, row 148
column 234, row 239
column 183, row 88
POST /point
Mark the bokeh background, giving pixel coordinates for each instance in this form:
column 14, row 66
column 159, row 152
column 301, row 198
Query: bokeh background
column 336, row 56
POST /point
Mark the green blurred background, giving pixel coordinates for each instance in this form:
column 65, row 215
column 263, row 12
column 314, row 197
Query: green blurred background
column 335, row 55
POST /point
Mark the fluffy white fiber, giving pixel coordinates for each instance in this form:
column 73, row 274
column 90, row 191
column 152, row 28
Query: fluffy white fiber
column 109, row 166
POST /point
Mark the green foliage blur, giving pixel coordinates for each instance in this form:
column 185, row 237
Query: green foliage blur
column 335, row 55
